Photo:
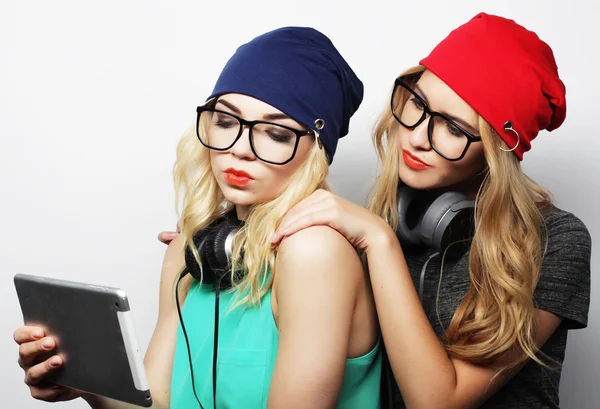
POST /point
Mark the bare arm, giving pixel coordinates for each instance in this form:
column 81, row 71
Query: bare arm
column 317, row 277
column 427, row 377
column 416, row 354
column 158, row 360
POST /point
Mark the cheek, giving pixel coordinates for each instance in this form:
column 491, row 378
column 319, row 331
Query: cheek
column 271, row 183
column 214, row 159
column 279, row 175
column 444, row 173
column 468, row 167
column 475, row 160
column 401, row 136
column 215, row 167
column 276, row 177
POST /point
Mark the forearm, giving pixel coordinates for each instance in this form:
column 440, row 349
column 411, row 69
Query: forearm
column 425, row 374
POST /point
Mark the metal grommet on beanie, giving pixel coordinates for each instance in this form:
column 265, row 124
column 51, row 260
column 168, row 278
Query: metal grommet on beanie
column 526, row 87
column 300, row 72
column 508, row 126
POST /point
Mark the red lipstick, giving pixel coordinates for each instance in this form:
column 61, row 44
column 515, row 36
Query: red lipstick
column 237, row 177
column 413, row 162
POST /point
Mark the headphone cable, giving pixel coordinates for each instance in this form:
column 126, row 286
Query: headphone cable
column 187, row 343
column 422, row 277
column 216, row 341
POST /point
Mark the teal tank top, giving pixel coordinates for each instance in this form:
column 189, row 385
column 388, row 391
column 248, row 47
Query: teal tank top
column 247, row 350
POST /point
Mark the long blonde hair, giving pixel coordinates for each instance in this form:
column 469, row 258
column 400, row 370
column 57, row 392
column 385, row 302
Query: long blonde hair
column 497, row 313
column 200, row 202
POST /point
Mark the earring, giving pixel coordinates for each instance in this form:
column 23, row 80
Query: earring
column 508, row 126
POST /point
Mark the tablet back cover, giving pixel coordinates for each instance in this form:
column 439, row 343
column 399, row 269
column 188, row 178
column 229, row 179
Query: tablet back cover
column 84, row 321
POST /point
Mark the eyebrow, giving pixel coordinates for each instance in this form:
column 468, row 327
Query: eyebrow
column 271, row 117
column 456, row 119
column 229, row 105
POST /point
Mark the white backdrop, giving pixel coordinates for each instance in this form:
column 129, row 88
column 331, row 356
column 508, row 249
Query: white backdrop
column 95, row 95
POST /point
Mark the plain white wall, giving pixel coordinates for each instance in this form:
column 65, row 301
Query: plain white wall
column 95, row 95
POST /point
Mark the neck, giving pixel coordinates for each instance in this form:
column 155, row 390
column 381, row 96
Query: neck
column 242, row 211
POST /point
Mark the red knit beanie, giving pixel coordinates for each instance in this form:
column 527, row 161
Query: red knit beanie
column 506, row 74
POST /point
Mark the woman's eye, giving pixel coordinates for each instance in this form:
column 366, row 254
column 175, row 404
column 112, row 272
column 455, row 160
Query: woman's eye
column 225, row 123
column 454, row 130
column 279, row 137
column 417, row 103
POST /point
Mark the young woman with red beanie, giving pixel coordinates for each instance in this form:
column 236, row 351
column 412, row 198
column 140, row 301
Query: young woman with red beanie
column 477, row 276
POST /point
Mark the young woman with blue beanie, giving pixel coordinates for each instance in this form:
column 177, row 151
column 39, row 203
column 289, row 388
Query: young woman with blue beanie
column 295, row 327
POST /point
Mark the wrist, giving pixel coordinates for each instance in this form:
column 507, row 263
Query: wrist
column 381, row 236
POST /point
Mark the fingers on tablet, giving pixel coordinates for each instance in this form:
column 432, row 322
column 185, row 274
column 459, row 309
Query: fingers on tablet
column 27, row 334
column 28, row 351
column 46, row 344
column 38, row 373
column 55, row 361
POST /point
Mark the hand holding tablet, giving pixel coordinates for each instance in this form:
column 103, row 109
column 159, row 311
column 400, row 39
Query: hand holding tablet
column 94, row 336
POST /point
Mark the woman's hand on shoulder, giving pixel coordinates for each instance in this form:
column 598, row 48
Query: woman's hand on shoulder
column 167, row 237
column 358, row 225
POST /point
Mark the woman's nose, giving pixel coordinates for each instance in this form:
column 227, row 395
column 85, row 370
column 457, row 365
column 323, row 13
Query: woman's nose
column 242, row 148
column 419, row 137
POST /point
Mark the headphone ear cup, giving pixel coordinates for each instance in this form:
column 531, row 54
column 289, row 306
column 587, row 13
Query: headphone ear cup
column 190, row 261
column 410, row 216
column 218, row 249
column 447, row 220
column 200, row 240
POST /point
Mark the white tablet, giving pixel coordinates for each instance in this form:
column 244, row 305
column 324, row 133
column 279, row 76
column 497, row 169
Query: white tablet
column 94, row 333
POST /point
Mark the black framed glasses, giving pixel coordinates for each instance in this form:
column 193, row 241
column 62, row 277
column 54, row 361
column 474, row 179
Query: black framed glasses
column 450, row 140
column 270, row 142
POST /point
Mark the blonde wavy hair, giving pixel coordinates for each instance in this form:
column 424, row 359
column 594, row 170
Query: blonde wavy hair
column 200, row 202
column 497, row 313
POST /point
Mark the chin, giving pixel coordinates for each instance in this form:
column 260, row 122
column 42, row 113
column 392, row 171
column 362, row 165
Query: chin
column 416, row 179
column 239, row 197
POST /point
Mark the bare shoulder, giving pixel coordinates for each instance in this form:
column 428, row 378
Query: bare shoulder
column 173, row 264
column 320, row 261
column 317, row 240
column 317, row 249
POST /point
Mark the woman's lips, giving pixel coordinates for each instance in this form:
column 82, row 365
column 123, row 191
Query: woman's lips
column 237, row 177
column 413, row 162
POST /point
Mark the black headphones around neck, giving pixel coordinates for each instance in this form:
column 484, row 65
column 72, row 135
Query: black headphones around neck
column 215, row 247
column 443, row 222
